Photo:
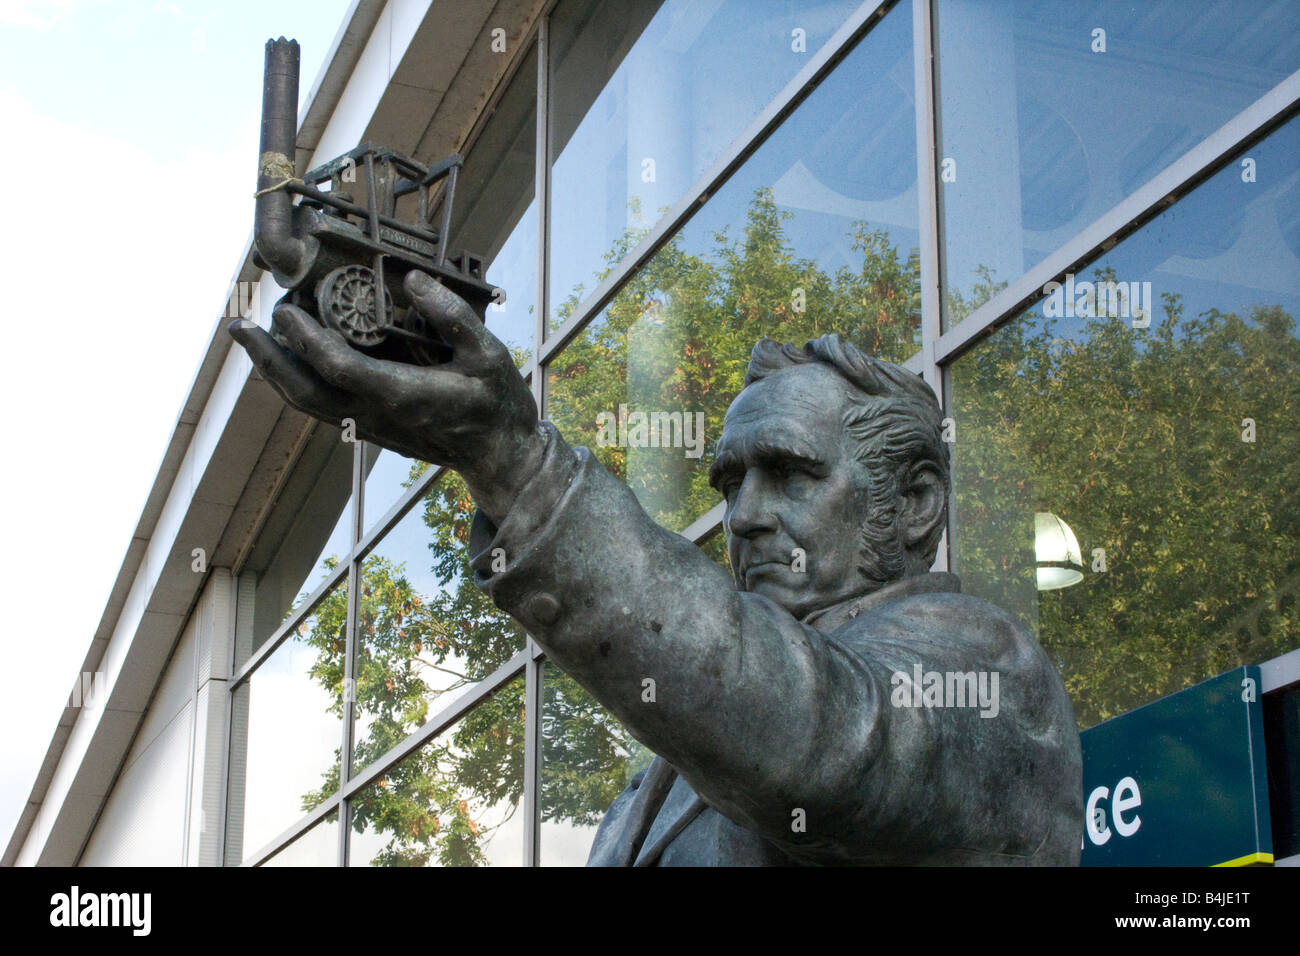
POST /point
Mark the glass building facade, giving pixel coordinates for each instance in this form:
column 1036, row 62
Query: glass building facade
column 914, row 177
column 1079, row 222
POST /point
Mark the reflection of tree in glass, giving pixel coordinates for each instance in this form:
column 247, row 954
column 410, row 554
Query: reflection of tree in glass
column 587, row 756
column 678, row 335
column 1134, row 438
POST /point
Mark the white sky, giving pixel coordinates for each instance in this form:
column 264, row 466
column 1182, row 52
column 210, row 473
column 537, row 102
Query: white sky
column 124, row 126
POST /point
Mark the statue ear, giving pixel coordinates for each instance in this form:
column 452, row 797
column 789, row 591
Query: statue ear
column 923, row 503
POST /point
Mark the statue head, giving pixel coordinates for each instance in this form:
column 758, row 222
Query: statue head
column 835, row 474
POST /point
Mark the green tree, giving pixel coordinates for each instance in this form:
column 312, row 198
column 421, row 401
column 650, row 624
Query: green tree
column 678, row 335
column 1134, row 437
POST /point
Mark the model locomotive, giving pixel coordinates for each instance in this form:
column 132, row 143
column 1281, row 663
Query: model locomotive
column 344, row 260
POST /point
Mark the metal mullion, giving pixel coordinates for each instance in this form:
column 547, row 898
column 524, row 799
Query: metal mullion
column 278, row 636
column 927, row 191
column 223, row 806
column 533, row 666
column 542, row 183
column 927, row 187
column 292, row 832
column 533, row 686
column 706, row 524
column 350, row 647
column 774, row 114
column 399, row 510
column 1127, row 216
column 437, row 724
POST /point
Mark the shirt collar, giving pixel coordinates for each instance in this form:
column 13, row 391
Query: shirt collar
column 832, row 618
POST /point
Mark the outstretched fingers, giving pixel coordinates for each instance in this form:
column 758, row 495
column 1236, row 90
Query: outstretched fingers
column 451, row 316
column 295, row 381
column 346, row 368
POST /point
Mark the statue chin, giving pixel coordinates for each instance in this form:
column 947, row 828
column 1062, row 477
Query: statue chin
column 792, row 595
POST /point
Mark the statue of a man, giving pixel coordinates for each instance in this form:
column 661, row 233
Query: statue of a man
column 836, row 702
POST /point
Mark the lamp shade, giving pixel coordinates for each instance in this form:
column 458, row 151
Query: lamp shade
column 1057, row 553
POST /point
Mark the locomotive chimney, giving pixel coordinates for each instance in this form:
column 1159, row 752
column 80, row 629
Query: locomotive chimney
column 273, row 234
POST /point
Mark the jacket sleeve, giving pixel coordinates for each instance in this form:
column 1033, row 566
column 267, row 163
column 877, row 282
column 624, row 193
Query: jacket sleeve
column 767, row 719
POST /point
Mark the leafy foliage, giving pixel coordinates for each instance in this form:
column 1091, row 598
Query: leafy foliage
column 1134, row 438
column 678, row 337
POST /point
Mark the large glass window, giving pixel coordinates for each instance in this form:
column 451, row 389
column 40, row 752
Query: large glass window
column 319, row 846
column 286, row 730
column 1051, row 113
column 1127, row 461
column 386, row 477
column 425, row 633
column 645, row 95
column 588, row 758
column 816, row 233
column 456, row 800
column 496, row 211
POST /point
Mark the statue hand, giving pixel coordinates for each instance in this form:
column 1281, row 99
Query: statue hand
column 474, row 413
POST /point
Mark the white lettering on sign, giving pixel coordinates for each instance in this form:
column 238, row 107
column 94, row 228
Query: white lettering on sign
column 1094, row 818
column 1127, row 797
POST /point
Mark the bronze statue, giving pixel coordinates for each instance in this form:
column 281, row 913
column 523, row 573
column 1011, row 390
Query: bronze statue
column 834, row 703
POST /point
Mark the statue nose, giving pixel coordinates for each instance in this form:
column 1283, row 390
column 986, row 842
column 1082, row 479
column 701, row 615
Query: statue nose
column 750, row 512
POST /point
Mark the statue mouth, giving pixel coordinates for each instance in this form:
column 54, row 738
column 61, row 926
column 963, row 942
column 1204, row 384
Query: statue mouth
column 764, row 567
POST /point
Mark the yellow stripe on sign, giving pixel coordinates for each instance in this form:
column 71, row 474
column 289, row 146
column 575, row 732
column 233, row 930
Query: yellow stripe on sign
column 1250, row 859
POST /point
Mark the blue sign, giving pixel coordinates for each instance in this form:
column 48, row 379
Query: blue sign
column 1181, row 781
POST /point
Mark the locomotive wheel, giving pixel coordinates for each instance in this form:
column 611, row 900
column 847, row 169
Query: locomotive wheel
column 346, row 300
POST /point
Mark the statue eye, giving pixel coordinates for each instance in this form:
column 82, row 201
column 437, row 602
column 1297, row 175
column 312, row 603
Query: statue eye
column 797, row 477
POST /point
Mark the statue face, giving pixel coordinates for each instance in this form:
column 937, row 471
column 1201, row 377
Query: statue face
column 796, row 496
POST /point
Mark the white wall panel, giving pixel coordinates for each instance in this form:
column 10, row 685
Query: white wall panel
column 143, row 822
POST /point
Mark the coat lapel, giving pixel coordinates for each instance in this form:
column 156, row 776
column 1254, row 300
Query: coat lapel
column 621, row 846
column 681, row 805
